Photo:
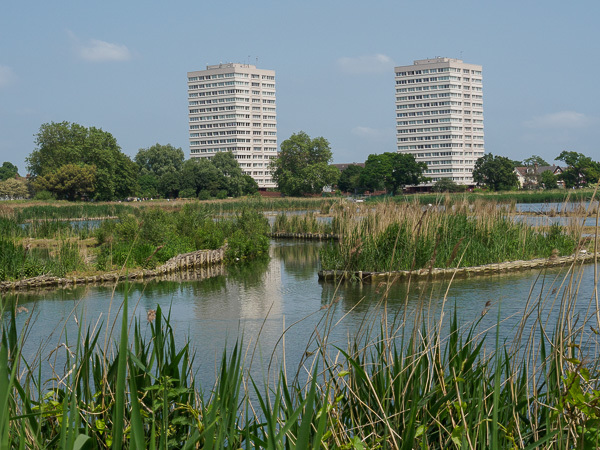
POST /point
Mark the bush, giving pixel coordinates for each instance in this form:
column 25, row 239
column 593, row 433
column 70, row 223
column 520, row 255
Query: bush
column 187, row 193
column 204, row 195
column 43, row 195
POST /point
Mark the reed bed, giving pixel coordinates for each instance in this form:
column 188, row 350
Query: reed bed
column 553, row 196
column 389, row 236
column 301, row 223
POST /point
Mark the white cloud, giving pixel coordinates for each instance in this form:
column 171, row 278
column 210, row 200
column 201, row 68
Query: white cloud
column 7, row 76
column 96, row 50
column 367, row 64
column 562, row 119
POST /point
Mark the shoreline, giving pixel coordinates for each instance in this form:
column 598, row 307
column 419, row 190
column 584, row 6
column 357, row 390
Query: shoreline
column 205, row 260
column 464, row 272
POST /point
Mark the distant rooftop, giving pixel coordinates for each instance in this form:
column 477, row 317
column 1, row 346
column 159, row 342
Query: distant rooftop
column 231, row 65
column 437, row 59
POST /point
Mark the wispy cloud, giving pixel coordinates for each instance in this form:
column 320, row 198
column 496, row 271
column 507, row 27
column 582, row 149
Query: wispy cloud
column 373, row 133
column 7, row 76
column 366, row 64
column 95, row 50
column 562, row 119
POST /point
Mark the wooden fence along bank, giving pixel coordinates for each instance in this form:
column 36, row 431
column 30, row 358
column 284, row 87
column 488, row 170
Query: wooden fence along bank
column 487, row 269
column 195, row 265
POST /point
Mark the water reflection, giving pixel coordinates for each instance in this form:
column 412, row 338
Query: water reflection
column 261, row 300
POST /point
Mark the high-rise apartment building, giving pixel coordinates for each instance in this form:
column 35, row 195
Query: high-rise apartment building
column 232, row 108
column 439, row 116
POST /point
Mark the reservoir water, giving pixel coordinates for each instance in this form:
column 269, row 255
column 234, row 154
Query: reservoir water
column 260, row 301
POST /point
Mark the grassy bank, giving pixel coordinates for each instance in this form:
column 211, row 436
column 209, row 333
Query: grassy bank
column 140, row 238
column 396, row 385
column 391, row 236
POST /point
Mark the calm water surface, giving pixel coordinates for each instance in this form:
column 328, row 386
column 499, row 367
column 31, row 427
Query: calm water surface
column 260, row 301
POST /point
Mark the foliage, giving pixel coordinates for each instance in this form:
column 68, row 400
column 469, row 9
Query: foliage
column 14, row 188
column 68, row 182
column 447, row 185
column 302, row 166
column 8, row 170
column 148, row 185
column 18, row 262
column 159, row 159
column 495, row 172
column 392, row 171
column 236, row 183
column 350, row 179
column 535, row 159
column 548, row 180
column 60, row 144
column 389, row 238
column 581, row 170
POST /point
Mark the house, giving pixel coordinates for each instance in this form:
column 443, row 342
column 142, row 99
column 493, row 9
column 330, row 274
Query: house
column 529, row 176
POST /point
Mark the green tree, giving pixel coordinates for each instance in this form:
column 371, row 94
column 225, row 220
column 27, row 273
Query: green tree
column 159, row 159
column 447, row 185
column 350, row 179
column 68, row 182
column 495, row 172
column 60, row 144
column 236, row 181
column 535, row 159
column 8, row 170
column 148, row 184
column 201, row 174
column 302, row 166
column 392, row 171
column 13, row 188
column 581, row 169
column 169, row 185
column 548, row 180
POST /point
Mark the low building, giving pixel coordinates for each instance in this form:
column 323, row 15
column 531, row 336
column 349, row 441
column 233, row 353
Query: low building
column 529, row 176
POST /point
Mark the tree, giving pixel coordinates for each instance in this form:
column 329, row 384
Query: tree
column 8, row 170
column 349, row 180
column 236, row 182
column 201, row 174
column 13, row 188
column 495, row 172
column 302, row 166
column 68, row 182
column 392, row 171
column 548, row 180
column 581, row 169
column 159, row 159
column 535, row 159
column 60, row 144
column 446, row 185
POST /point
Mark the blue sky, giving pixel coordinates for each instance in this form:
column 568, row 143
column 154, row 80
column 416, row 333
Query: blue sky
column 122, row 67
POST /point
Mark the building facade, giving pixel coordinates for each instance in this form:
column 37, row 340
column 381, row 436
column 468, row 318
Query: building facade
column 439, row 116
column 232, row 107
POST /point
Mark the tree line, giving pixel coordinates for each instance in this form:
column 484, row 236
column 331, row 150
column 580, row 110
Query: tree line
column 73, row 162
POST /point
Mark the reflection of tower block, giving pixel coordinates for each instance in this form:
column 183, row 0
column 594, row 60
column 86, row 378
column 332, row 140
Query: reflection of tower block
column 329, row 290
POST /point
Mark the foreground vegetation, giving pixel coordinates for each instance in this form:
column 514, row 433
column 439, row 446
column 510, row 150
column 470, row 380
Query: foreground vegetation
column 398, row 384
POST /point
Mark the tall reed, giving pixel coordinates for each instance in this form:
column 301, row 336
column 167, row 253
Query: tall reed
column 389, row 236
